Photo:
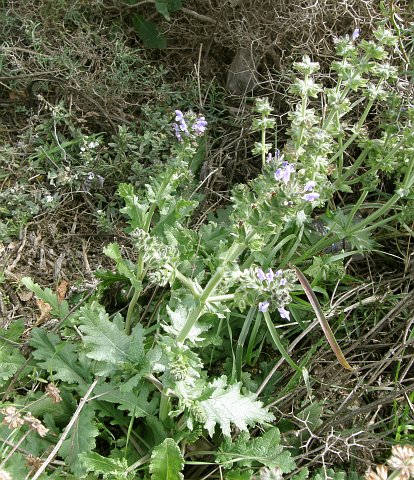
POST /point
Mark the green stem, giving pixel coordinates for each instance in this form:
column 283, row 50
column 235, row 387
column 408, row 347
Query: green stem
column 157, row 202
column 140, row 263
column 135, row 297
column 241, row 341
column 357, row 131
column 303, row 112
column 233, row 252
column 221, row 298
column 278, row 342
column 195, row 289
column 131, row 306
column 263, row 141
column 164, row 407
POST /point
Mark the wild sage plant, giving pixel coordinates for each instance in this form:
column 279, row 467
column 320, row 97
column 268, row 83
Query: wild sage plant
column 153, row 365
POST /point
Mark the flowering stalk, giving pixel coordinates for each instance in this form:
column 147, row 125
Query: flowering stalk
column 233, row 252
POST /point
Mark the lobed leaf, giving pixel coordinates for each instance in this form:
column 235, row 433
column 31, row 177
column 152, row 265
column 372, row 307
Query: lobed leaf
column 58, row 356
column 106, row 340
column 265, row 450
column 227, row 406
column 108, row 467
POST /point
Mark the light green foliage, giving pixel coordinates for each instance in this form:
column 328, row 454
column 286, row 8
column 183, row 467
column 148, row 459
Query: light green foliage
column 81, row 439
column 166, row 461
column 302, row 475
column 59, row 308
column 165, row 381
column 238, row 474
column 109, row 468
column 106, row 340
column 178, row 319
column 135, row 210
column 134, row 402
column 58, row 357
column 124, row 267
column 10, row 357
column 226, row 405
column 329, row 474
column 266, row 450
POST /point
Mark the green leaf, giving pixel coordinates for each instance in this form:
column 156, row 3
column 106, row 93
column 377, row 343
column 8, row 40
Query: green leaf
column 13, row 332
column 124, row 267
column 265, row 450
column 178, row 319
column 106, row 340
column 157, row 429
column 93, row 462
column 329, row 474
column 311, row 417
column 302, row 475
column 80, row 440
column 239, row 475
column 174, row 5
column 59, row 309
column 136, row 211
column 136, row 404
column 227, row 405
column 10, row 357
column 166, row 461
column 149, row 33
column 162, row 7
column 58, row 356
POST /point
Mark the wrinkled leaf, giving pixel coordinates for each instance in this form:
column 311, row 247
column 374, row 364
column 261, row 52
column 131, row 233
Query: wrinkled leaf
column 106, row 340
column 227, row 406
column 93, row 462
column 265, row 450
column 57, row 356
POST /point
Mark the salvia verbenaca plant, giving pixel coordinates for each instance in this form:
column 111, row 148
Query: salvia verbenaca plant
column 148, row 370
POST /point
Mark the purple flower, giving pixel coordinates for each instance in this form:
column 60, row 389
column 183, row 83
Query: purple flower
column 179, row 116
column 263, row 306
column 177, row 132
column 355, row 34
column 284, row 313
column 278, row 272
column 279, row 174
column 183, row 127
column 288, row 170
column 310, row 197
column 200, row 126
column 309, row 186
column 270, row 275
column 282, row 281
column 269, row 158
column 261, row 275
column 284, row 172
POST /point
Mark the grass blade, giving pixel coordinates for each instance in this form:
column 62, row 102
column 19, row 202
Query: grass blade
column 322, row 320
